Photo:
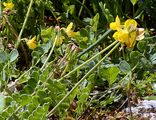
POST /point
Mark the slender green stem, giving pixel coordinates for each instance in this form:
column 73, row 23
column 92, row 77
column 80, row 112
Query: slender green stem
column 96, row 43
column 85, row 8
column 15, row 112
column 0, row 9
column 24, row 24
column 89, row 60
column 129, row 95
column 38, row 62
column 123, row 53
column 84, row 77
column 147, row 38
column 128, row 74
column 133, row 12
column 81, row 8
column 51, row 51
column 30, row 68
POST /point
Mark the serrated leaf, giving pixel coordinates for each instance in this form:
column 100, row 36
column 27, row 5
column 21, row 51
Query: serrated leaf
column 13, row 55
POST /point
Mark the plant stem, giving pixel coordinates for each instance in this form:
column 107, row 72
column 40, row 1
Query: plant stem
column 128, row 95
column 24, row 24
column 96, row 43
column 82, row 79
column 89, row 60
column 10, row 26
column 81, row 8
column 85, row 8
column 0, row 9
column 147, row 38
column 51, row 51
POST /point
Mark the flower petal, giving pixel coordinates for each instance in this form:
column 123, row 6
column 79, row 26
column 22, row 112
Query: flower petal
column 117, row 20
column 130, row 24
column 113, row 26
column 116, row 25
column 140, row 33
column 59, row 40
column 32, row 43
column 8, row 5
column 69, row 27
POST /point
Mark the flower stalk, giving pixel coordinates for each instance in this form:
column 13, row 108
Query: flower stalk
column 89, row 60
column 82, row 79
column 24, row 24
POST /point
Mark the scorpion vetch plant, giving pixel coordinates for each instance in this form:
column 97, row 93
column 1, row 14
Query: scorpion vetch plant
column 75, row 59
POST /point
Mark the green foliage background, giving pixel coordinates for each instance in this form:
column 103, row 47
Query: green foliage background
column 30, row 91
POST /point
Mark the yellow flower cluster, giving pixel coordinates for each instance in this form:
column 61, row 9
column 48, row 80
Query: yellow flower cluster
column 32, row 44
column 8, row 5
column 128, row 32
column 70, row 33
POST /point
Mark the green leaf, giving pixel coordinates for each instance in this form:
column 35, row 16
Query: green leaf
column 1, row 67
column 134, row 2
column 32, row 82
column 35, row 100
column 71, row 9
column 95, row 22
column 25, row 99
column 153, row 59
column 107, row 101
column 142, row 46
column 2, row 102
column 124, row 67
column 46, row 34
column 46, row 46
column 13, row 55
column 110, row 74
column 41, row 93
column 150, row 98
column 84, row 32
column 106, row 12
column 28, row 89
column 3, row 56
column 135, row 56
column 35, row 74
column 35, row 55
column 2, row 118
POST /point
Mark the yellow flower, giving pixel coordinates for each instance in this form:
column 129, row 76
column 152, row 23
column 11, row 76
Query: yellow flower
column 32, row 44
column 130, row 42
column 129, row 33
column 8, row 5
column 116, row 25
column 59, row 40
column 69, row 31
